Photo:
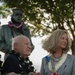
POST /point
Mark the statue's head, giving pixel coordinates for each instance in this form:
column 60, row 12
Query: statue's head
column 17, row 15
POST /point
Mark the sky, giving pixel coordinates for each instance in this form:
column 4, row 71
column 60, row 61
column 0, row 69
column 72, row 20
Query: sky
column 37, row 54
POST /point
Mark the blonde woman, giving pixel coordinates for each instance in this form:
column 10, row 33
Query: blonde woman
column 58, row 62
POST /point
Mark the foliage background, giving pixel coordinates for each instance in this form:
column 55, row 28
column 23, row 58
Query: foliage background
column 44, row 16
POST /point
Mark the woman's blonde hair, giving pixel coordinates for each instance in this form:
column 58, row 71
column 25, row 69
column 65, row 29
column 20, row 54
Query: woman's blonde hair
column 51, row 43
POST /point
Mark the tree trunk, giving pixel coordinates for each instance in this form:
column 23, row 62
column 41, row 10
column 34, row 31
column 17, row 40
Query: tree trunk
column 73, row 47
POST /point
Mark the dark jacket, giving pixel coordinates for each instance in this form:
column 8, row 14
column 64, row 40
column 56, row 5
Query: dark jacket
column 14, row 63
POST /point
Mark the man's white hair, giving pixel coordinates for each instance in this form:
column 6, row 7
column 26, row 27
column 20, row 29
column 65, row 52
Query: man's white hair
column 16, row 40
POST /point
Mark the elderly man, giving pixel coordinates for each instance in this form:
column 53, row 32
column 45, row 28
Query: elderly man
column 14, row 27
column 18, row 61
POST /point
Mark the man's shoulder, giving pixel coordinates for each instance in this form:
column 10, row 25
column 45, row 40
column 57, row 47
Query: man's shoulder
column 12, row 57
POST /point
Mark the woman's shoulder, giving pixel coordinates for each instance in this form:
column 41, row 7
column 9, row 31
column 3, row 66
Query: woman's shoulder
column 46, row 58
column 71, row 56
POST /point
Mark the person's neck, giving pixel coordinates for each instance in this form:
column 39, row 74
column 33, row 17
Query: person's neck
column 14, row 22
column 24, row 57
column 58, row 53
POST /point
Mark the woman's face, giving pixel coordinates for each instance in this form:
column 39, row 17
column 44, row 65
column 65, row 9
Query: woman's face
column 63, row 41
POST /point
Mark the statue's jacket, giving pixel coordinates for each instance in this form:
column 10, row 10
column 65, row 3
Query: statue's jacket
column 6, row 35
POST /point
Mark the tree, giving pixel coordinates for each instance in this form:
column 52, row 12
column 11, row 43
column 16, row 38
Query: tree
column 3, row 10
column 60, row 14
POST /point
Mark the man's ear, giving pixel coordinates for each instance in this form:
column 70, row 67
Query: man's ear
column 15, row 46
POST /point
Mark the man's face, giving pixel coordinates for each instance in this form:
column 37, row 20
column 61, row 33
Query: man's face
column 24, row 47
column 17, row 15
